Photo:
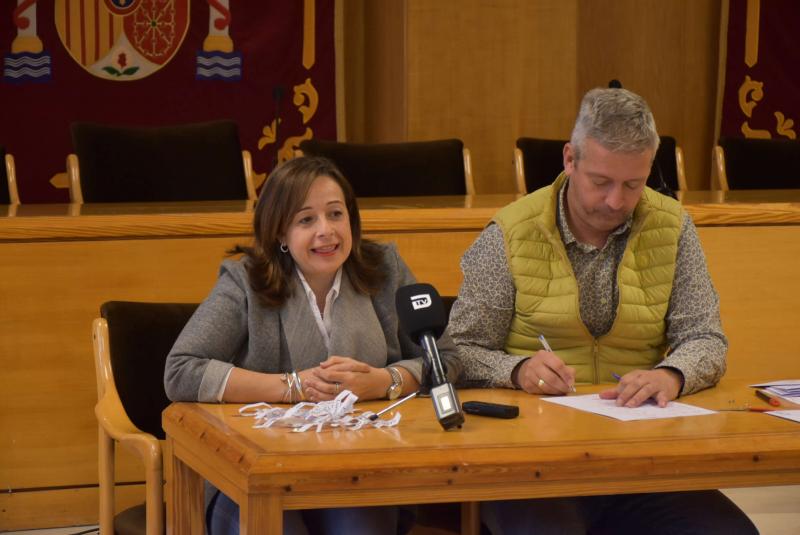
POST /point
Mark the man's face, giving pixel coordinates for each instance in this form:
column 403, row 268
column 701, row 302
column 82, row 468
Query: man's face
column 604, row 186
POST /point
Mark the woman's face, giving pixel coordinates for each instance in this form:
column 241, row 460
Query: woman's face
column 319, row 236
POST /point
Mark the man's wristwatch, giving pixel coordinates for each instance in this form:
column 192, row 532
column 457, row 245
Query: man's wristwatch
column 396, row 388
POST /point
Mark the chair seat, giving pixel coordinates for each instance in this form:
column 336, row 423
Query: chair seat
column 131, row 521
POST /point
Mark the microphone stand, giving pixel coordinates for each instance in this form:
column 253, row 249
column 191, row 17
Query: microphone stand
column 277, row 95
column 425, row 382
column 400, row 401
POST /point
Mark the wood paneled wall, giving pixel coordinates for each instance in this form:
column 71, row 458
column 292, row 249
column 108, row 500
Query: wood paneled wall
column 489, row 72
column 374, row 65
column 665, row 50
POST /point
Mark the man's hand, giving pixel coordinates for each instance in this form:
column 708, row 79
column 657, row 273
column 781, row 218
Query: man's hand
column 638, row 386
column 545, row 373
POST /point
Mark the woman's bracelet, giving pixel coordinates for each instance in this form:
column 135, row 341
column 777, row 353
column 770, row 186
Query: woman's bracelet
column 294, row 387
column 298, row 386
column 287, row 395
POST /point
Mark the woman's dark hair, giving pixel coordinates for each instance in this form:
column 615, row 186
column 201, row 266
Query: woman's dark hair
column 286, row 188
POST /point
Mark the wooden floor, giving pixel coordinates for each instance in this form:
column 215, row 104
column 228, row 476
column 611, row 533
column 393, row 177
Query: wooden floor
column 774, row 510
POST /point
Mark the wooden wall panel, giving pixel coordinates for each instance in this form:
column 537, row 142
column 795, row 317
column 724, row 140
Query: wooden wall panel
column 665, row 51
column 375, row 70
column 489, row 72
column 62, row 507
column 754, row 269
column 48, row 379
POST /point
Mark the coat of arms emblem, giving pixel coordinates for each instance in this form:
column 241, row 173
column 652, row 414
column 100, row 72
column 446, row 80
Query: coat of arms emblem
column 122, row 39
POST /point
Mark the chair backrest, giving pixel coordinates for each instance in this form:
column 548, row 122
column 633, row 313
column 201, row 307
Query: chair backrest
column 8, row 179
column 758, row 163
column 399, row 169
column 448, row 301
column 539, row 161
column 191, row 162
column 140, row 337
column 669, row 163
column 5, row 195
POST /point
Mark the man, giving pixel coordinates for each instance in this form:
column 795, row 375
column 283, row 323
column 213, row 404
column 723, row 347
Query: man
column 613, row 275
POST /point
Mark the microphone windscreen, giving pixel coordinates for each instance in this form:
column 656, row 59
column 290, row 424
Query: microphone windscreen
column 420, row 310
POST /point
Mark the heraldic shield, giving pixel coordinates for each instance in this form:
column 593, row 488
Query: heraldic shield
column 122, row 40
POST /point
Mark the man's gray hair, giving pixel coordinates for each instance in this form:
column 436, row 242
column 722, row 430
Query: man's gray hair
column 621, row 121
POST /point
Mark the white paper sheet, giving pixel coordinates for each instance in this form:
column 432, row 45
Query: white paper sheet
column 785, row 382
column 647, row 411
column 793, row 415
column 787, row 389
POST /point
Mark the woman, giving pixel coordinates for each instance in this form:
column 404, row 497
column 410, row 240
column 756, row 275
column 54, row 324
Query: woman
column 306, row 312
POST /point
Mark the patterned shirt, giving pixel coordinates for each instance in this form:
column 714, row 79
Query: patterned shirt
column 481, row 317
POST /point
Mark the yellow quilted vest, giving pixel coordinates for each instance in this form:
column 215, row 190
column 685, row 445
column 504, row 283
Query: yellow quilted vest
column 547, row 291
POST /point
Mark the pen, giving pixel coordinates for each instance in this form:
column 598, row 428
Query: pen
column 616, row 376
column 547, row 347
column 392, row 406
column 748, row 409
column 768, row 398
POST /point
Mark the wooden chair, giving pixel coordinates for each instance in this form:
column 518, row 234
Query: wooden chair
column 537, row 162
column 191, row 162
column 8, row 179
column 741, row 163
column 442, row 167
column 131, row 343
column 668, row 162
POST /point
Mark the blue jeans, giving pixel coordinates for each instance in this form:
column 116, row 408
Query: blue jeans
column 222, row 518
column 706, row 512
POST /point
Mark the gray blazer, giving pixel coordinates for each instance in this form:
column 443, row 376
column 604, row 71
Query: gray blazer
column 231, row 328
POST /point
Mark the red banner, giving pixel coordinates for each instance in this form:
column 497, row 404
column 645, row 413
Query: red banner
column 762, row 77
column 267, row 64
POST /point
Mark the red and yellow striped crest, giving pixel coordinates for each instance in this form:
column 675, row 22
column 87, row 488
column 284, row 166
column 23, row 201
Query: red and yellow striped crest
column 122, row 40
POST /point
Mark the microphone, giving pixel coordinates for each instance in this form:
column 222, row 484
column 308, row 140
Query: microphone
column 614, row 84
column 422, row 317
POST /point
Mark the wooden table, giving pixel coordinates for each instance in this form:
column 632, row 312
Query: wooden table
column 58, row 263
column 548, row 451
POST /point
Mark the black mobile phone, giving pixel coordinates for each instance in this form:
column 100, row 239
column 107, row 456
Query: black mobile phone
column 493, row 410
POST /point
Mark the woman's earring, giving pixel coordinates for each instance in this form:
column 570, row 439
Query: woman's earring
column 284, row 248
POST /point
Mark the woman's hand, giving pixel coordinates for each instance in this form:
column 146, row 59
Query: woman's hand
column 345, row 373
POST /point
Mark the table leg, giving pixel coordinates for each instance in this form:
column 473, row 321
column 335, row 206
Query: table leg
column 185, row 506
column 470, row 518
column 261, row 514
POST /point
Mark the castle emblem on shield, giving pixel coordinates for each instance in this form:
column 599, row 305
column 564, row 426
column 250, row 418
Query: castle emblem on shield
column 122, row 40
